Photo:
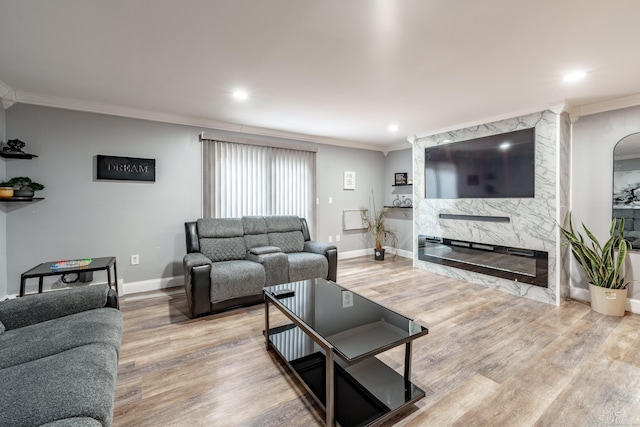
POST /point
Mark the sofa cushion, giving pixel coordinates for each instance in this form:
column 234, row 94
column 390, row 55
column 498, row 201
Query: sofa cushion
column 219, row 227
column 79, row 382
column 282, row 223
column 231, row 248
column 285, row 232
column 254, row 225
column 233, row 279
column 255, row 231
column 103, row 325
column 256, row 241
column 291, row 241
column 305, row 265
column 221, row 239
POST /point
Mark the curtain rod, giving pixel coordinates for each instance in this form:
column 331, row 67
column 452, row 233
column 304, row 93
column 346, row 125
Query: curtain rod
column 238, row 139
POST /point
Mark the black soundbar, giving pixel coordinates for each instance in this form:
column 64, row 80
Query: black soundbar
column 486, row 218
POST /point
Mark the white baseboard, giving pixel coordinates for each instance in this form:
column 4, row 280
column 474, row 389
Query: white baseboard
column 170, row 282
column 367, row 252
column 151, row 285
column 632, row 305
column 354, row 254
column 579, row 294
column 405, row 254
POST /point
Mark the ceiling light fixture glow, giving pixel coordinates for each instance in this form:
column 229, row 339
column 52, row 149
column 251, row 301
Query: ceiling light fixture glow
column 504, row 146
column 575, row 76
column 393, row 128
column 240, row 94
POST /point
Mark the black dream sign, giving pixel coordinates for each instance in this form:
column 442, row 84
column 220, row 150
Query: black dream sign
column 126, row 168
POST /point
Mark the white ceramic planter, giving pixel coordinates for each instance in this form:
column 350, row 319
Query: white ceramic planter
column 608, row 301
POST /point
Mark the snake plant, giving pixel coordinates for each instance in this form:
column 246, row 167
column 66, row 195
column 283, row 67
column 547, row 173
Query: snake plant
column 603, row 264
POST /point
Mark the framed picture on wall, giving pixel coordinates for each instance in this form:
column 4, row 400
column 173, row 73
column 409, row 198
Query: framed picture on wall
column 349, row 182
column 401, row 178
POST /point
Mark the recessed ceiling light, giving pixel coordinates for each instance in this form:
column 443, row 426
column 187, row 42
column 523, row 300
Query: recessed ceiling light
column 393, row 128
column 575, row 76
column 240, row 94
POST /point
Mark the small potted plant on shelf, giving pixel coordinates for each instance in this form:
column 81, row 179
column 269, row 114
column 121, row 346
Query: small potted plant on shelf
column 22, row 186
column 603, row 264
column 376, row 222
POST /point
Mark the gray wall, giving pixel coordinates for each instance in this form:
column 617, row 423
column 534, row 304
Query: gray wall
column 594, row 138
column 401, row 222
column 83, row 217
column 3, row 217
column 332, row 162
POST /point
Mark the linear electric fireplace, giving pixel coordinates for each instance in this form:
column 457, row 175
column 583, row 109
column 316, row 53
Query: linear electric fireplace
column 521, row 265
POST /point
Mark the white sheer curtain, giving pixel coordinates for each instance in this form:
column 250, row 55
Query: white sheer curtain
column 244, row 179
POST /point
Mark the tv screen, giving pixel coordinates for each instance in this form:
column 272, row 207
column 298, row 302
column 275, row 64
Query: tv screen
column 496, row 166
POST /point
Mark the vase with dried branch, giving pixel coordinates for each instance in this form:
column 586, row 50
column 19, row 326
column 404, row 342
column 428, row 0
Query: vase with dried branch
column 375, row 221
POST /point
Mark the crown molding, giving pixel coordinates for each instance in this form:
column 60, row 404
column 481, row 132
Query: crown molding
column 395, row 147
column 7, row 95
column 4, row 89
column 559, row 108
column 136, row 113
column 609, row 105
column 485, row 121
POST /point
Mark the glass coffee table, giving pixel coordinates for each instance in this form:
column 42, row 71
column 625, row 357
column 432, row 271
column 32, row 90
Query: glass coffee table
column 330, row 346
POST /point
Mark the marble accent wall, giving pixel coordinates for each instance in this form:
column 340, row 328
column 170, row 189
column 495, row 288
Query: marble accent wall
column 532, row 221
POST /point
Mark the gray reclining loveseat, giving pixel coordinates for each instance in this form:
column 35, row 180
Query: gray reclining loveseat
column 230, row 260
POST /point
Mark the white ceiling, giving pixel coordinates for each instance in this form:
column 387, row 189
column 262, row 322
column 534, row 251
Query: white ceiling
column 337, row 71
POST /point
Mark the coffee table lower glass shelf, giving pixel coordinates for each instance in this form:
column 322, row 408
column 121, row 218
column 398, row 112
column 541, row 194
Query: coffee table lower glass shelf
column 366, row 393
column 341, row 334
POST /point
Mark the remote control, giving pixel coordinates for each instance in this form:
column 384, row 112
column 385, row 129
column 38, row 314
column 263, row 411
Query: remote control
column 283, row 293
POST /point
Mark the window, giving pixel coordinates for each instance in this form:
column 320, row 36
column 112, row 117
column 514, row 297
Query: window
column 244, row 179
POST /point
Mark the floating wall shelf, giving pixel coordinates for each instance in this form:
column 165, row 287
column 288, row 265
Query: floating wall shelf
column 11, row 155
column 22, row 199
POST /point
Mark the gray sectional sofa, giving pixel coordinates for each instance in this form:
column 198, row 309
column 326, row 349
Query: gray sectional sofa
column 59, row 358
column 230, row 260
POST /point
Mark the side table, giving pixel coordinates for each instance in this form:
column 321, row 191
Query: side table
column 43, row 270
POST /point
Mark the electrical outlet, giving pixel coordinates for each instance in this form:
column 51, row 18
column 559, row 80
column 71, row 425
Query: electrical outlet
column 330, row 239
column 337, row 237
column 317, row 200
column 135, row 259
column 330, row 200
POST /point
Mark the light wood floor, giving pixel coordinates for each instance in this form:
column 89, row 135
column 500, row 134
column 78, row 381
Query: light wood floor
column 490, row 359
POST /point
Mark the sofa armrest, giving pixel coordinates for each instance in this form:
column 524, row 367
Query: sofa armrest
column 36, row 308
column 317, row 247
column 329, row 251
column 275, row 263
column 197, row 282
column 263, row 250
column 112, row 299
column 195, row 259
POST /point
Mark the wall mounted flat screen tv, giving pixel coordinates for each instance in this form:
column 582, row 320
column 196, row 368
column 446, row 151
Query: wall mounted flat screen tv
column 496, row 166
